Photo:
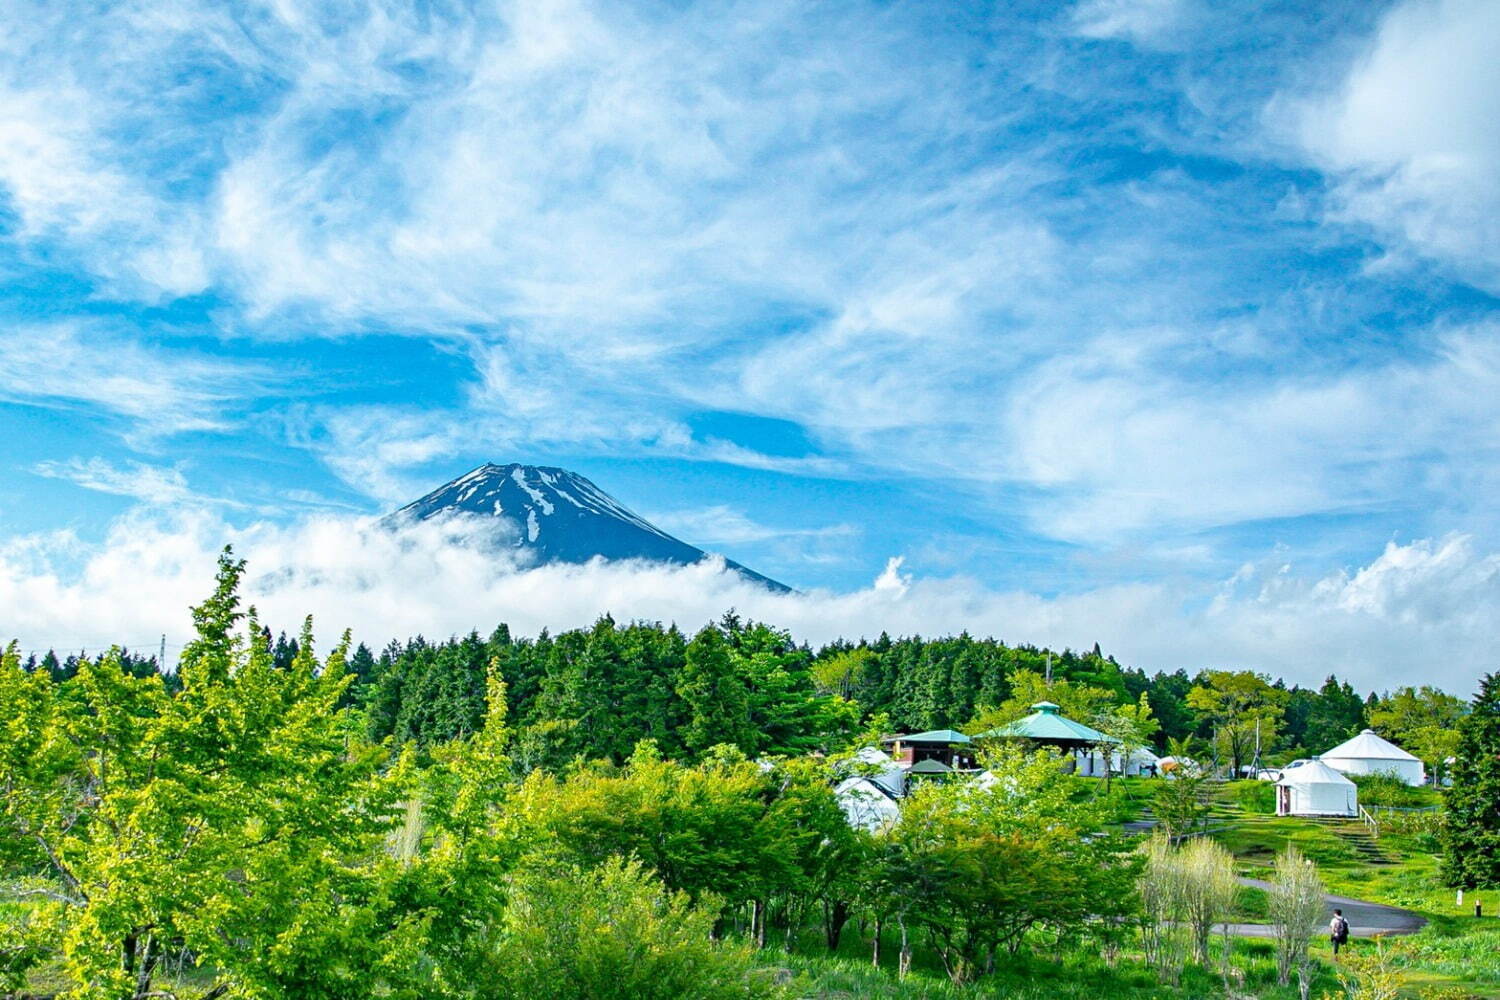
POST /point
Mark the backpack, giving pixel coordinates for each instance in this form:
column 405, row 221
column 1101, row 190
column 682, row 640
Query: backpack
column 1340, row 930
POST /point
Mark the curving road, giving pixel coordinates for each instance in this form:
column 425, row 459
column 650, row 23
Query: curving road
column 1365, row 919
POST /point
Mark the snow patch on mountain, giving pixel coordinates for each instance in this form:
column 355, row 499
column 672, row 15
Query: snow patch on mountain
column 558, row 517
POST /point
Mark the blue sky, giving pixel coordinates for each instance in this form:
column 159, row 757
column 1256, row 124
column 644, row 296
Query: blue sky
column 1055, row 302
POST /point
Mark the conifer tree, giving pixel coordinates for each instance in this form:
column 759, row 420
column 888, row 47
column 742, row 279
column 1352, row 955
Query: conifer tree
column 1471, row 833
column 717, row 698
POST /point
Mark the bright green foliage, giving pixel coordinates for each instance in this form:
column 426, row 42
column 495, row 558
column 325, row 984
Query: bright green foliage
column 1133, row 725
column 1181, row 802
column 1082, row 702
column 616, row 931
column 842, row 672
column 1471, row 836
column 716, row 694
column 1240, row 708
column 1424, row 721
column 455, row 857
column 235, row 819
column 976, row 867
column 787, row 716
column 698, row 828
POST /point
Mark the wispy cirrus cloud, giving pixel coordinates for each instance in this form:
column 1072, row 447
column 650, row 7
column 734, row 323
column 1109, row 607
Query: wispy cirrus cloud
column 1160, row 448
column 146, row 390
column 1058, row 265
column 722, row 524
column 1411, row 134
column 156, row 484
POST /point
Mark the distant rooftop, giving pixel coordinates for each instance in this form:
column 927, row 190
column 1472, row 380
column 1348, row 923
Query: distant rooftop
column 1047, row 724
column 945, row 736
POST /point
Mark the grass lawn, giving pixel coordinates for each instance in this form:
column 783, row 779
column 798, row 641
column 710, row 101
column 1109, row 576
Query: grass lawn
column 1046, row 970
column 1455, row 950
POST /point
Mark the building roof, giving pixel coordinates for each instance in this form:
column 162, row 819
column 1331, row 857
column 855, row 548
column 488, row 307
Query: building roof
column 1314, row 772
column 1048, row 725
column 1368, row 745
column 931, row 736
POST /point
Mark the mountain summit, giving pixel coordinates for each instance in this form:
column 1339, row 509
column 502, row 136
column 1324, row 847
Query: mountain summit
column 559, row 516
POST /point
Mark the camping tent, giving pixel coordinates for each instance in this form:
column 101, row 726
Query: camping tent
column 1141, row 760
column 1315, row 789
column 866, row 805
column 877, row 765
column 1367, row 753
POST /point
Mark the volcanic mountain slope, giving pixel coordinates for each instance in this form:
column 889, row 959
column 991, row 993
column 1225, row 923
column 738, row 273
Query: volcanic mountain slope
column 560, row 517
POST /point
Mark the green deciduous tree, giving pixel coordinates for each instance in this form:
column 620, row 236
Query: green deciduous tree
column 235, row 819
column 975, row 866
column 1424, row 721
column 1240, row 709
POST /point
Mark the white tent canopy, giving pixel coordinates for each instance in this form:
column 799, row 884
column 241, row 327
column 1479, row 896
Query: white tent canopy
column 877, row 765
column 866, row 805
column 1142, row 760
column 1368, row 753
column 1315, row 789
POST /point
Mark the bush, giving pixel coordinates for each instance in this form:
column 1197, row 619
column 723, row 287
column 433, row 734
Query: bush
column 1388, row 790
column 617, row 932
column 1254, row 796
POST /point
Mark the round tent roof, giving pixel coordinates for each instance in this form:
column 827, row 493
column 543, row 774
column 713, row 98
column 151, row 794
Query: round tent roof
column 1368, row 745
column 1314, row 772
column 930, row 767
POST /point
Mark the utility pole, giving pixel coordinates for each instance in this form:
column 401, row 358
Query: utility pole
column 161, row 657
column 1049, row 668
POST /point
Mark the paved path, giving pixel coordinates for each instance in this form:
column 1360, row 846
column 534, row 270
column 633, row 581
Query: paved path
column 1365, row 919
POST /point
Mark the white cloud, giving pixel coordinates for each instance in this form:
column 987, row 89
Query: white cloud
column 1141, row 21
column 1432, row 605
column 1412, row 135
column 724, row 525
column 822, row 215
column 151, row 483
column 1143, row 444
column 70, row 363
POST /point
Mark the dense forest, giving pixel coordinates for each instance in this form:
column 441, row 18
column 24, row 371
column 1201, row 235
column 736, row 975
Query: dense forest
column 596, row 692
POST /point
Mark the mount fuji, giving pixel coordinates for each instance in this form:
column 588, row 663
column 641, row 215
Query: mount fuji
column 558, row 516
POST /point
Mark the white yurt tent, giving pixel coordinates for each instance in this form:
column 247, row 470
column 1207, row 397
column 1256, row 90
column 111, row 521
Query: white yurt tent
column 1142, row 760
column 866, row 805
column 1368, row 753
column 1315, row 789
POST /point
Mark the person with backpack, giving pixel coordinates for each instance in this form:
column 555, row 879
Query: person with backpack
column 1338, row 930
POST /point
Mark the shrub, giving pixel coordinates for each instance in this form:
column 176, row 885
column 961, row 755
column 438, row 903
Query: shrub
column 1295, row 905
column 617, row 932
column 1254, row 796
column 1389, row 790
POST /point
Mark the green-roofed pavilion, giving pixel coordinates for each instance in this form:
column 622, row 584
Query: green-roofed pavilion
column 1048, row 725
